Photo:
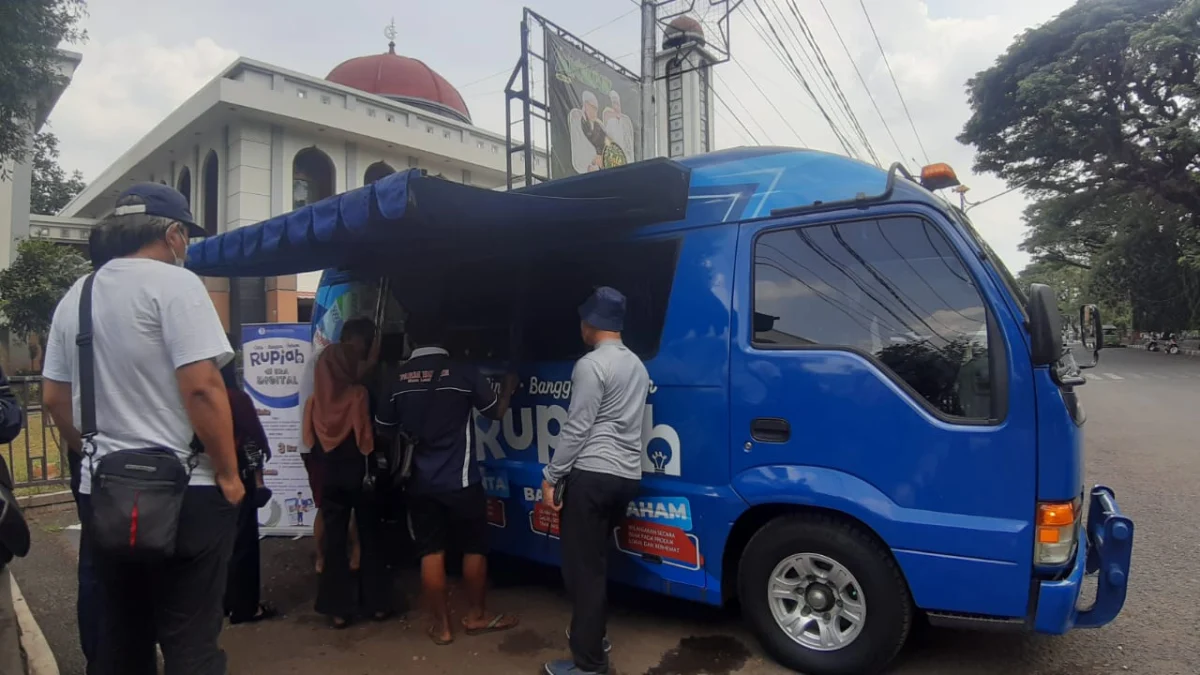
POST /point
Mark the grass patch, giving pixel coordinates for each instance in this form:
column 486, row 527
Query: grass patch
column 34, row 458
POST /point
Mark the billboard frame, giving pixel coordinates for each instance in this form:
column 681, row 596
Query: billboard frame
column 534, row 105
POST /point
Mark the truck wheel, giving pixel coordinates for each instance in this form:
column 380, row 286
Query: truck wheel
column 823, row 596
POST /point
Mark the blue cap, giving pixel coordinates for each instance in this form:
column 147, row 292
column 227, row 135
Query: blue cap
column 605, row 310
column 162, row 201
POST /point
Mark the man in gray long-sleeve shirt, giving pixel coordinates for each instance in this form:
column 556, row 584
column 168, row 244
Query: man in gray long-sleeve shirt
column 599, row 455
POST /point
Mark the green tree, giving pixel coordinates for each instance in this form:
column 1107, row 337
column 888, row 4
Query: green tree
column 30, row 32
column 52, row 188
column 1100, row 101
column 31, row 288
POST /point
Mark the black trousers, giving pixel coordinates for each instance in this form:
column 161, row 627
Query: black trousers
column 176, row 603
column 341, row 593
column 86, row 611
column 245, row 576
column 593, row 505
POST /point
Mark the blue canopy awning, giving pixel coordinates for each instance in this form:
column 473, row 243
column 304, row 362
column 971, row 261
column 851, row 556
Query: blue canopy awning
column 409, row 216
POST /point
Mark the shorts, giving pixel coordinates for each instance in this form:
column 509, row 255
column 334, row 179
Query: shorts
column 438, row 519
column 314, row 464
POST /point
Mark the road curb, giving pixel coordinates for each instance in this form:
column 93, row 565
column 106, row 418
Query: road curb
column 40, row 660
column 47, row 499
column 1182, row 352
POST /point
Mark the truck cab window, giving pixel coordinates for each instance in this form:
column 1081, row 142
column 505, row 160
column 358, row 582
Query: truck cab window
column 893, row 288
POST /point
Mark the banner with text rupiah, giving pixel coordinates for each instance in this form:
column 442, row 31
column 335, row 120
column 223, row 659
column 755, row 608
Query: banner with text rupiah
column 273, row 358
column 595, row 111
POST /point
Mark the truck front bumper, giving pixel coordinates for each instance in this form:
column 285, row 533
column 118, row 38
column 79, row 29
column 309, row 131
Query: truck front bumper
column 1105, row 549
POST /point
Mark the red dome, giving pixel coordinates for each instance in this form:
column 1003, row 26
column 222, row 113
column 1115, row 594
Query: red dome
column 681, row 30
column 404, row 79
column 686, row 24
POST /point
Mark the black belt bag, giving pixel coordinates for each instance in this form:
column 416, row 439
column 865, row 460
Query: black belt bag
column 136, row 499
column 136, row 494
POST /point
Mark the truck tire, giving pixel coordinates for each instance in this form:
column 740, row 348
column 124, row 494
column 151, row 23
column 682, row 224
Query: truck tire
column 836, row 589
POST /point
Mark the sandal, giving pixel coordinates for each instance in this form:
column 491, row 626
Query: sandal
column 338, row 623
column 266, row 611
column 496, row 625
column 438, row 640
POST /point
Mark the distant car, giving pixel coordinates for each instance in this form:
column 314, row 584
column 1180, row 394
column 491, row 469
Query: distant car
column 1111, row 335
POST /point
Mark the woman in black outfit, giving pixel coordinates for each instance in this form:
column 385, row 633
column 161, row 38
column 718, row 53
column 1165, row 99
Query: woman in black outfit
column 242, row 590
column 338, row 426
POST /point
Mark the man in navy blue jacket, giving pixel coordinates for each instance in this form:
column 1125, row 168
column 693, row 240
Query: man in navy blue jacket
column 10, row 426
column 10, row 411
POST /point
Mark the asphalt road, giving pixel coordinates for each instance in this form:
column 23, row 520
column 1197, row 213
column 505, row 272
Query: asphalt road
column 1142, row 440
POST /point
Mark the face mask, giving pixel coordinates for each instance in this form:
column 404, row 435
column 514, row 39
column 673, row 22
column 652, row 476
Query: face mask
column 179, row 260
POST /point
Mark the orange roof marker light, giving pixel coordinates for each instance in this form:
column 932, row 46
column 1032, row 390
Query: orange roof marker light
column 938, row 176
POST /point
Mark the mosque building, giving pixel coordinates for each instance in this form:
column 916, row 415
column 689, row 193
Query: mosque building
column 259, row 141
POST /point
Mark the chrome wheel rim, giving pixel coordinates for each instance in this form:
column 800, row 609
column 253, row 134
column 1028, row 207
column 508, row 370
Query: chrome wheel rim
column 817, row 602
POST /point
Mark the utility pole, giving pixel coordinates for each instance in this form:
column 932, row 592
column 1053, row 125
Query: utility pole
column 649, row 51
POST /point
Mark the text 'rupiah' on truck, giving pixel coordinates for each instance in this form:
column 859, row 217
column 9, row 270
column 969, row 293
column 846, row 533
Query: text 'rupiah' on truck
column 856, row 415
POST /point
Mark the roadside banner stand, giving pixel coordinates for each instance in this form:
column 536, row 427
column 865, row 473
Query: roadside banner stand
column 273, row 360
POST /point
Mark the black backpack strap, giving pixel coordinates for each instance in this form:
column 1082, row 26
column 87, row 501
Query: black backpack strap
column 85, row 342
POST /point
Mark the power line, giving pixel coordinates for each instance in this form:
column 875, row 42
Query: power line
column 507, row 71
column 833, row 80
column 804, row 82
column 813, row 72
column 749, row 113
column 770, row 102
column 721, row 116
column 883, row 53
column 762, row 35
column 862, row 79
column 971, row 205
column 533, row 78
column 736, row 118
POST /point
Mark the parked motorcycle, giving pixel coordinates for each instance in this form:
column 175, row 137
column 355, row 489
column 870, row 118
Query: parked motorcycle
column 1168, row 344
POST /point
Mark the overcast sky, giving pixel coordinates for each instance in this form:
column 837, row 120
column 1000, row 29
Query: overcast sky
column 144, row 59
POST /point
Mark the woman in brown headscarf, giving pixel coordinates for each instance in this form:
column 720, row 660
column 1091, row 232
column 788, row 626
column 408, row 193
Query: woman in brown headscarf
column 337, row 424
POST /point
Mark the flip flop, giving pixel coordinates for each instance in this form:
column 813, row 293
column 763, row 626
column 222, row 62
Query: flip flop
column 496, row 625
column 437, row 639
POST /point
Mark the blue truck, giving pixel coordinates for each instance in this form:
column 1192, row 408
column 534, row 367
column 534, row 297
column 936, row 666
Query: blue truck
column 857, row 417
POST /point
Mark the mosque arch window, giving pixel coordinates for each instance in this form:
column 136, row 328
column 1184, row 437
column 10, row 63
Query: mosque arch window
column 313, row 177
column 184, row 185
column 211, row 192
column 376, row 171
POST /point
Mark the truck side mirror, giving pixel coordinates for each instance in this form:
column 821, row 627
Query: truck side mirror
column 1091, row 333
column 1045, row 325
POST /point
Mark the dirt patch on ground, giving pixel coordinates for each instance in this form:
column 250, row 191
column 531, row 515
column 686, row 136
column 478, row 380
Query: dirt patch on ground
column 713, row 655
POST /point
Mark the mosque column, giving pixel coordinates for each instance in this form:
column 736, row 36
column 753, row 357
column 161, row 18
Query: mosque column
column 218, row 291
column 282, row 301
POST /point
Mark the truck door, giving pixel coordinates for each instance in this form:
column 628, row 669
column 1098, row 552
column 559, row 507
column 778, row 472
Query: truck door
column 870, row 375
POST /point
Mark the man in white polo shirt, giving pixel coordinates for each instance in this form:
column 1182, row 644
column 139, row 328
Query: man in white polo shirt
column 158, row 349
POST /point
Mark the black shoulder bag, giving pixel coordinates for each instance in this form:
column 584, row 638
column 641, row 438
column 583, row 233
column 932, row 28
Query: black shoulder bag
column 14, row 532
column 406, row 443
column 136, row 494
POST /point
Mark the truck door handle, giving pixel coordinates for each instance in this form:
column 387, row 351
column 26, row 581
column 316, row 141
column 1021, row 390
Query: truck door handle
column 770, row 430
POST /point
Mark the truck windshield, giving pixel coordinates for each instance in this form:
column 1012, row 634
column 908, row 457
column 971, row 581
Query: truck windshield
column 1009, row 280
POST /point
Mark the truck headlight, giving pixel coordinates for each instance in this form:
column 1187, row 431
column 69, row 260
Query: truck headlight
column 1057, row 532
